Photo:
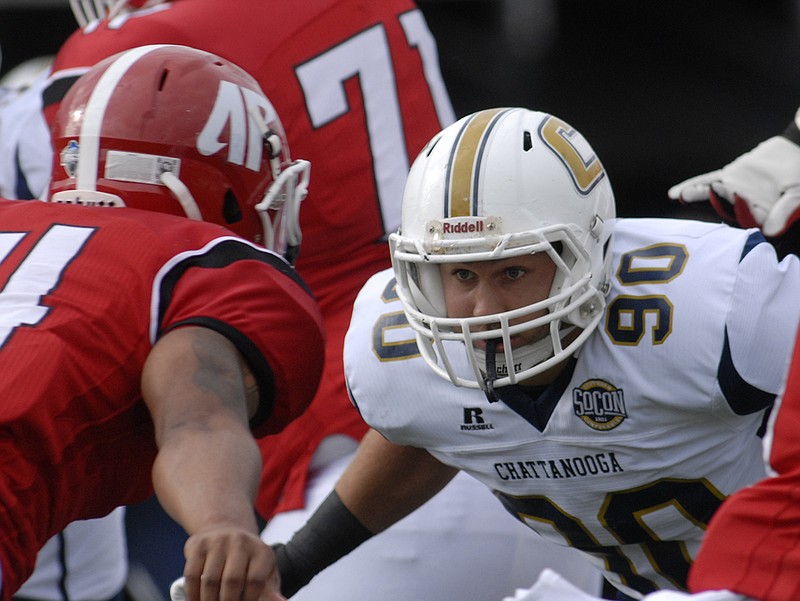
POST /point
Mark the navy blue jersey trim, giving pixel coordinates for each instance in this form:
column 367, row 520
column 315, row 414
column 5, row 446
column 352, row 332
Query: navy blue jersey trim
column 742, row 397
column 21, row 188
column 61, row 581
column 62, row 559
column 536, row 409
column 753, row 240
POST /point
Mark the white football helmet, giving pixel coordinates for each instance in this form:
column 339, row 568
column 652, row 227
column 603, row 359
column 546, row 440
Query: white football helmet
column 503, row 183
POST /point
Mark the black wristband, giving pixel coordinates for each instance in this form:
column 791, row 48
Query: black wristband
column 792, row 133
column 331, row 533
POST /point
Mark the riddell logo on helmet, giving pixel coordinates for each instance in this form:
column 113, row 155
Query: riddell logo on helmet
column 462, row 227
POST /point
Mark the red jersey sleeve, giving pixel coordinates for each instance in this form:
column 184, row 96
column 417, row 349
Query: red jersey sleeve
column 255, row 299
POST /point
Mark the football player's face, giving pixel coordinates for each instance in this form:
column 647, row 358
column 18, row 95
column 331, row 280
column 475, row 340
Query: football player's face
column 481, row 288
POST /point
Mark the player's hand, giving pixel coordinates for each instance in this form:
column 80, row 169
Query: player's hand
column 228, row 564
column 552, row 587
column 760, row 189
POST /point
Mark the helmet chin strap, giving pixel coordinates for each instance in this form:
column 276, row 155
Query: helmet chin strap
column 489, row 378
column 526, row 357
column 182, row 195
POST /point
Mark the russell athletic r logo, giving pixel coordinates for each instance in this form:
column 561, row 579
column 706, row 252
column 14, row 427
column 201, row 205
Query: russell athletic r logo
column 473, row 419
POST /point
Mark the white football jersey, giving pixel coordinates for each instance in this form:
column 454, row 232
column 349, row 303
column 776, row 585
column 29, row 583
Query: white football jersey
column 629, row 453
column 25, row 154
column 86, row 561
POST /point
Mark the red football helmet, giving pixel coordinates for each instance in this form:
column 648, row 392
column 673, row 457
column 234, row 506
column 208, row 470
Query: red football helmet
column 178, row 130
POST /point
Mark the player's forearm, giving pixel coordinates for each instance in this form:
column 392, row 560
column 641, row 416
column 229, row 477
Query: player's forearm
column 330, row 534
column 205, row 478
column 208, row 465
column 385, row 482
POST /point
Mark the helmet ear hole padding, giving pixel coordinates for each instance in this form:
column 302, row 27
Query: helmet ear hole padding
column 231, row 210
column 425, row 284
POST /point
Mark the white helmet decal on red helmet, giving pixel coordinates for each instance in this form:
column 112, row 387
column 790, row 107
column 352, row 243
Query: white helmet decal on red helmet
column 231, row 113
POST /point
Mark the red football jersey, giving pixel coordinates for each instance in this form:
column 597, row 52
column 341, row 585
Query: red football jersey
column 84, row 293
column 752, row 545
column 358, row 88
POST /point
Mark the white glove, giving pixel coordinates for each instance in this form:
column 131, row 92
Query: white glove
column 760, row 189
column 552, row 587
column 176, row 590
